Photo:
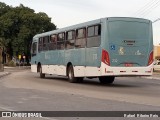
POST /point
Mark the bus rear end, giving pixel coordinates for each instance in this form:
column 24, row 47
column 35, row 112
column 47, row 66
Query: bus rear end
column 128, row 48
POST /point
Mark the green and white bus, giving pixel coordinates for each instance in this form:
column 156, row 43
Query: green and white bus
column 103, row 48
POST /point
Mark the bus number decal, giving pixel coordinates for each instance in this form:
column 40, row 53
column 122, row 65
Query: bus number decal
column 94, row 56
column 47, row 56
column 114, row 60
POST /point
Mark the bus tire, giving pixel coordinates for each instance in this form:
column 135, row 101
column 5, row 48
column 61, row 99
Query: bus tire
column 106, row 79
column 42, row 75
column 71, row 76
column 80, row 79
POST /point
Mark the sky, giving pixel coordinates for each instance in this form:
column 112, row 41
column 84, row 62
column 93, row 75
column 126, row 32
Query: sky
column 69, row 12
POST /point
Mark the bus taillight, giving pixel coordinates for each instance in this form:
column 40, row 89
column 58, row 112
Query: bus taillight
column 105, row 57
column 150, row 60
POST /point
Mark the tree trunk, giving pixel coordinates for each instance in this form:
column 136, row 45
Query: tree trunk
column 1, row 67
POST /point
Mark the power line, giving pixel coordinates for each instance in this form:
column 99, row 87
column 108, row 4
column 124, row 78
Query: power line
column 156, row 20
column 144, row 7
column 150, row 9
column 147, row 8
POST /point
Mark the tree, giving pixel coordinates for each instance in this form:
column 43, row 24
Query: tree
column 18, row 25
column 3, row 8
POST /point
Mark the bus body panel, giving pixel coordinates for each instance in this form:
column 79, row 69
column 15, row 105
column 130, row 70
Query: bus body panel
column 78, row 57
column 69, row 55
column 48, row 58
column 53, row 57
column 34, row 68
column 61, row 56
column 54, row 69
column 93, row 56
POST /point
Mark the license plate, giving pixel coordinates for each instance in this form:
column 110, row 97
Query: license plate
column 128, row 64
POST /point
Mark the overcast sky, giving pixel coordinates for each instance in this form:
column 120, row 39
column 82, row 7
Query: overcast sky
column 69, row 12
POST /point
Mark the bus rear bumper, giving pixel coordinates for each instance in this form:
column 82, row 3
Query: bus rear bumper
column 126, row 71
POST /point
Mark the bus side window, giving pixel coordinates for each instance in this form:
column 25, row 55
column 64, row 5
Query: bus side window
column 80, row 38
column 40, row 44
column 70, row 37
column 53, row 42
column 60, row 41
column 93, row 36
column 45, row 43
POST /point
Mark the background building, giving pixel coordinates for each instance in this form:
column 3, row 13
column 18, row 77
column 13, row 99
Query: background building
column 157, row 52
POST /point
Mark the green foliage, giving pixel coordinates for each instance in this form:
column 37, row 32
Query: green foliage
column 3, row 8
column 11, row 63
column 18, row 25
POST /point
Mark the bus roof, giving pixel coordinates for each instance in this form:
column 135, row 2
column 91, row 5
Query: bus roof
column 81, row 25
column 89, row 23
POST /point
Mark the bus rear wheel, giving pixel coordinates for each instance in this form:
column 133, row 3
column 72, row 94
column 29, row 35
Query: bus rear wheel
column 71, row 76
column 42, row 75
column 106, row 79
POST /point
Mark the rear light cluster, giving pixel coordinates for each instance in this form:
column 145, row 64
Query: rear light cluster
column 106, row 60
column 105, row 57
column 150, row 60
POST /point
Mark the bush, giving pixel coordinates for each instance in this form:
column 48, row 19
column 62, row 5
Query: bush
column 11, row 63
